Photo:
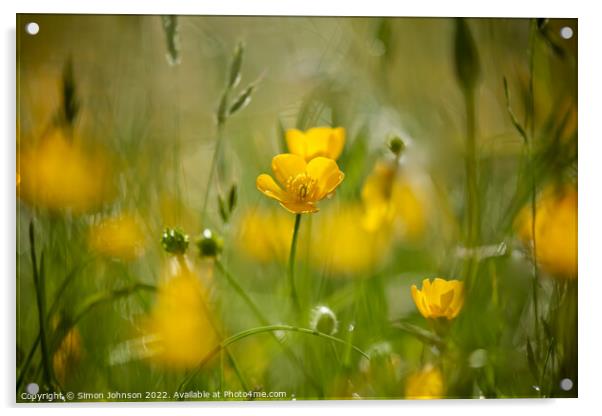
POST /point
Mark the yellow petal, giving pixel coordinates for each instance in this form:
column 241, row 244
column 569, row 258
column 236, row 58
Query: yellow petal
column 458, row 301
column 336, row 143
column 287, row 165
column 327, row 173
column 324, row 141
column 426, row 288
column 269, row 187
column 438, row 288
column 419, row 301
column 296, row 142
column 445, row 300
column 299, row 207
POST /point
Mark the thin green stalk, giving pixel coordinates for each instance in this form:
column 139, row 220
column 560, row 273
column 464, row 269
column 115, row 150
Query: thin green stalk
column 471, row 172
column 212, row 168
column 473, row 213
column 260, row 330
column 262, row 319
column 51, row 312
column 530, row 121
column 242, row 293
column 291, row 263
column 237, row 370
column 41, row 303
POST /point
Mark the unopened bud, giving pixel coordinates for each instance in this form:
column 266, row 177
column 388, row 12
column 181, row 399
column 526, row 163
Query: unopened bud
column 209, row 244
column 174, row 241
column 396, row 145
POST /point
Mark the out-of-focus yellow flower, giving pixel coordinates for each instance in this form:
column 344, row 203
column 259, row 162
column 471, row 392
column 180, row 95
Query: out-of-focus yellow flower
column 180, row 321
column 59, row 174
column 318, row 141
column 67, row 355
column 426, row 383
column 119, row 237
column 440, row 299
column 265, row 235
column 555, row 230
column 392, row 201
column 303, row 184
column 340, row 242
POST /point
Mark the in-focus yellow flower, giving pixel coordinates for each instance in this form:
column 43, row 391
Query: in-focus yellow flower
column 555, row 230
column 67, row 355
column 341, row 243
column 439, row 299
column 60, row 174
column 265, row 235
column 425, row 384
column 180, row 322
column 118, row 237
column 393, row 202
column 302, row 184
column 318, row 141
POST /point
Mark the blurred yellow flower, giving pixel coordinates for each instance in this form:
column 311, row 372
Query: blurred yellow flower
column 318, row 141
column 440, row 299
column 391, row 201
column 265, row 235
column 118, row 237
column 303, row 184
column 59, row 174
column 343, row 245
column 67, row 355
column 426, row 383
column 555, row 230
column 180, row 321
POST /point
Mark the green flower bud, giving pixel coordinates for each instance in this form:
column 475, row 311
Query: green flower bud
column 396, row 145
column 174, row 241
column 324, row 320
column 209, row 244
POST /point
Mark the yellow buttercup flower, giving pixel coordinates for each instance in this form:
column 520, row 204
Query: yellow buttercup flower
column 425, row 384
column 180, row 321
column 302, row 184
column 555, row 230
column 318, row 141
column 439, row 299
column 391, row 201
column 120, row 237
column 59, row 174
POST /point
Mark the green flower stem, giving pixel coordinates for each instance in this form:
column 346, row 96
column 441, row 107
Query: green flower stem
column 260, row 330
column 530, row 120
column 471, row 172
column 291, row 263
column 262, row 319
column 214, row 159
column 473, row 212
column 38, row 280
column 39, row 284
column 242, row 293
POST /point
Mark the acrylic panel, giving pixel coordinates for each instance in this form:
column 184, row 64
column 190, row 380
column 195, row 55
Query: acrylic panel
column 215, row 208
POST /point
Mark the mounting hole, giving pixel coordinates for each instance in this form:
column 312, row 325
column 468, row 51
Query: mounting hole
column 32, row 28
column 566, row 32
column 566, row 384
column 32, row 388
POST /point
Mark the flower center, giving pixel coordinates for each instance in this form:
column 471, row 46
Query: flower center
column 303, row 187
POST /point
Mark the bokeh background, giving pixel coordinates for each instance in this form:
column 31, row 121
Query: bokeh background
column 133, row 152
